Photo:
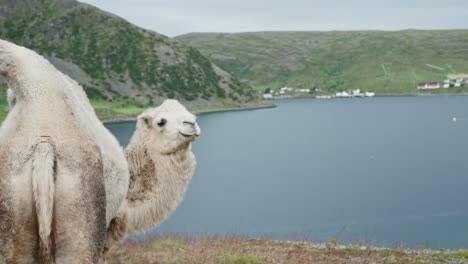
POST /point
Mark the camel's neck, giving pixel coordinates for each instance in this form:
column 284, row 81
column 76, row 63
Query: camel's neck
column 157, row 185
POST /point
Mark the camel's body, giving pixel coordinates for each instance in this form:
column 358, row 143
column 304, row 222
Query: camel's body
column 56, row 162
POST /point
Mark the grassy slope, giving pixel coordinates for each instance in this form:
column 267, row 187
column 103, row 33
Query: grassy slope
column 338, row 60
column 181, row 250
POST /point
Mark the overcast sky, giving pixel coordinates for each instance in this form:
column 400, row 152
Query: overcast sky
column 175, row 17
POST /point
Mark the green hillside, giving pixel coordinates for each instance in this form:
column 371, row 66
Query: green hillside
column 120, row 65
column 385, row 62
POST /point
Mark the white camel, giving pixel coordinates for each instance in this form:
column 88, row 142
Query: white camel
column 161, row 165
column 57, row 165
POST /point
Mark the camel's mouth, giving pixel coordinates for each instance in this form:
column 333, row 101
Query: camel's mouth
column 193, row 135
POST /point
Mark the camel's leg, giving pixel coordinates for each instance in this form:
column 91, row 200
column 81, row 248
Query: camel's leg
column 18, row 225
column 117, row 229
column 24, row 248
column 116, row 232
column 80, row 215
column 7, row 225
column 25, row 245
column 6, row 219
column 80, row 235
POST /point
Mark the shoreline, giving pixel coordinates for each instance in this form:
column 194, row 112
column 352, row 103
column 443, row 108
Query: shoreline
column 234, row 109
column 271, row 104
column 380, row 95
column 199, row 112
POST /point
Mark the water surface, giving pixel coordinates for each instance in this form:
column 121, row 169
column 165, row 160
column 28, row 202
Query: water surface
column 389, row 171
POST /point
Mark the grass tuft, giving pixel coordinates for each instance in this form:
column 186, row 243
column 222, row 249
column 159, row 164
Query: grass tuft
column 244, row 260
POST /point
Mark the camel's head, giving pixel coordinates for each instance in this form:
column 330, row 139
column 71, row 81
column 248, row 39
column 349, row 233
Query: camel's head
column 169, row 127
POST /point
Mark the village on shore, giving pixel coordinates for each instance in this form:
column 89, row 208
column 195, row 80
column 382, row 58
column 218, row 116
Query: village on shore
column 286, row 92
column 289, row 92
column 451, row 82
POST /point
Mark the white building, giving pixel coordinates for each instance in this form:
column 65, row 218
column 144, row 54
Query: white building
column 342, row 94
column 425, row 86
column 267, row 96
column 357, row 93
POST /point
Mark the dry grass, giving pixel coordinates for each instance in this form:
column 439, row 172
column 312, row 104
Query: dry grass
column 236, row 250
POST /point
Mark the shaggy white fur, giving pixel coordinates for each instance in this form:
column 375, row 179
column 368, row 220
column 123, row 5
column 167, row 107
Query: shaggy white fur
column 161, row 163
column 49, row 103
column 115, row 169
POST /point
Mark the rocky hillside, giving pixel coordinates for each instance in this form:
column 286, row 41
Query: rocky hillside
column 385, row 62
column 116, row 60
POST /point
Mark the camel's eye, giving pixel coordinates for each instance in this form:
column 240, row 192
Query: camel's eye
column 162, row 122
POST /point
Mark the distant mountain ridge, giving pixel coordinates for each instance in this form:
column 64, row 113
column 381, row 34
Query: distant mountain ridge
column 114, row 59
column 388, row 62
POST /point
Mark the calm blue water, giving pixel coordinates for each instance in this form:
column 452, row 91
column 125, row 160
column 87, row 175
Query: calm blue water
column 388, row 171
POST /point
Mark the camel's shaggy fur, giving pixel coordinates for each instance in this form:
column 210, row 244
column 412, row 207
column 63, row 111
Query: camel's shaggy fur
column 161, row 165
column 57, row 159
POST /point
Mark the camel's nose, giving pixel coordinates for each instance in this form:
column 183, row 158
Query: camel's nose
column 192, row 126
column 189, row 123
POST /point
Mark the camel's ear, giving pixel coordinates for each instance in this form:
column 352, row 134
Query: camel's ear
column 146, row 119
